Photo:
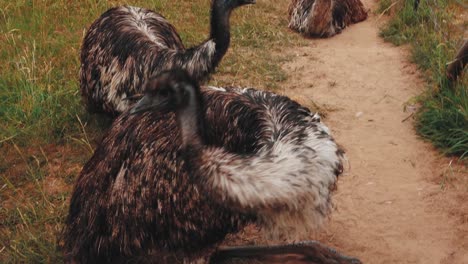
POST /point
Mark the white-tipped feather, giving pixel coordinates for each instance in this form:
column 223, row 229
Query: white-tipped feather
column 220, row 89
column 127, row 46
column 200, row 62
column 288, row 185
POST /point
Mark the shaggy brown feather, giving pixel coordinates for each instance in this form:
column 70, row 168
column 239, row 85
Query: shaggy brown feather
column 135, row 194
column 324, row 18
column 126, row 46
column 138, row 198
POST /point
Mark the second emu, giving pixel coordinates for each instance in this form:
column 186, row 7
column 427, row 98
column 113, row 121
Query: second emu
column 324, row 18
column 128, row 45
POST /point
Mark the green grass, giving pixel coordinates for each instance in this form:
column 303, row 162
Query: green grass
column 435, row 32
column 33, row 208
column 444, row 120
column 45, row 133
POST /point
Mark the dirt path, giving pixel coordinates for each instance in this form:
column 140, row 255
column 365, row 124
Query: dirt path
column 389, row 208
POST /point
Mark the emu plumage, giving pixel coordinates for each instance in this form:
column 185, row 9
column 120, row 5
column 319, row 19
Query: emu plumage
column 126, row 46
column 149, row 190
column 324, row 18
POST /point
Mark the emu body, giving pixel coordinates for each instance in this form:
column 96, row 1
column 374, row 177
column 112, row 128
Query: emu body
column 324, row 18
column 127, row 46
column 174, row 181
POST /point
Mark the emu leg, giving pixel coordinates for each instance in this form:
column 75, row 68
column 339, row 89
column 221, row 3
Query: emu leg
column 309, row 252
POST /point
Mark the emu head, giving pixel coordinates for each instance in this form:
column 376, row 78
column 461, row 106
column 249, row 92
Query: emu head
column 169, row 91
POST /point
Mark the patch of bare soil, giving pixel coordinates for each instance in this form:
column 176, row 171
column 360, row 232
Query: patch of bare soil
column 394, row 205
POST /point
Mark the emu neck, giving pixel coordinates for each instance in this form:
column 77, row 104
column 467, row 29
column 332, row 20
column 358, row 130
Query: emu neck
column 191, row 124
column 220, row 30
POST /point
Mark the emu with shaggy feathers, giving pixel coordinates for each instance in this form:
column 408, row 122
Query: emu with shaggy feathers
column 324, row 18
column 187, row 166
column 128, row 45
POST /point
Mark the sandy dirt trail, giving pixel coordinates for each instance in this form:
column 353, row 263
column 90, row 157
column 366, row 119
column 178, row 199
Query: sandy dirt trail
column 389, row 208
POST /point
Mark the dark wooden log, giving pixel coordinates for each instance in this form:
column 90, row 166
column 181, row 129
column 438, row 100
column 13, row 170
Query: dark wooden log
column 455, row 68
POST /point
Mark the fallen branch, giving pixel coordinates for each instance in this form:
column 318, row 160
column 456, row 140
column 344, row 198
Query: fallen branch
column 388, row 8
column 404, row 120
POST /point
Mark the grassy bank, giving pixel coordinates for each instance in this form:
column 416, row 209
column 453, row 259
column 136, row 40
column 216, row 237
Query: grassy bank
column 45, row 134
column 435, row 32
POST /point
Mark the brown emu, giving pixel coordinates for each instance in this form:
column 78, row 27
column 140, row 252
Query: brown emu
column 176, row 174
column 128, row 45
column 324, row 18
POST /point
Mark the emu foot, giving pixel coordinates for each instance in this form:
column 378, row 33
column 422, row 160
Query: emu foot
column 311, row 252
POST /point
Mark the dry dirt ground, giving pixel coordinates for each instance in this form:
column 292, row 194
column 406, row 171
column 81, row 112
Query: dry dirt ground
column 391, row 207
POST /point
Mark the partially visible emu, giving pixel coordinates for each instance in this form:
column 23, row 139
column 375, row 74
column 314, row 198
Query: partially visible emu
column 324, row 18
column 162, row 185
column 128, row 45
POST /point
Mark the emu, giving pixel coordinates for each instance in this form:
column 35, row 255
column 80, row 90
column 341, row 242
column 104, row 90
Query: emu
column 162, row 186
column 128, row 45
column 324, row 18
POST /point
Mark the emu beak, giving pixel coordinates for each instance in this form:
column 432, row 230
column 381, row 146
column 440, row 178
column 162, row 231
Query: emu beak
column 144, row 104
column 148, row 103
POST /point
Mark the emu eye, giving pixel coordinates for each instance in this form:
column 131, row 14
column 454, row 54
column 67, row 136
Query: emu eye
column 164, row 93
column 184, row 93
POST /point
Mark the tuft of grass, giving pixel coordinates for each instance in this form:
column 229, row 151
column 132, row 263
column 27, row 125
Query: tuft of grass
column 45, row 133
column 32, row 211
column 455, row 175
column 444, row 120
column 435, row 32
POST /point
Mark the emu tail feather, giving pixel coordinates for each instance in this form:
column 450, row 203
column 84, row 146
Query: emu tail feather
column 287, row 185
